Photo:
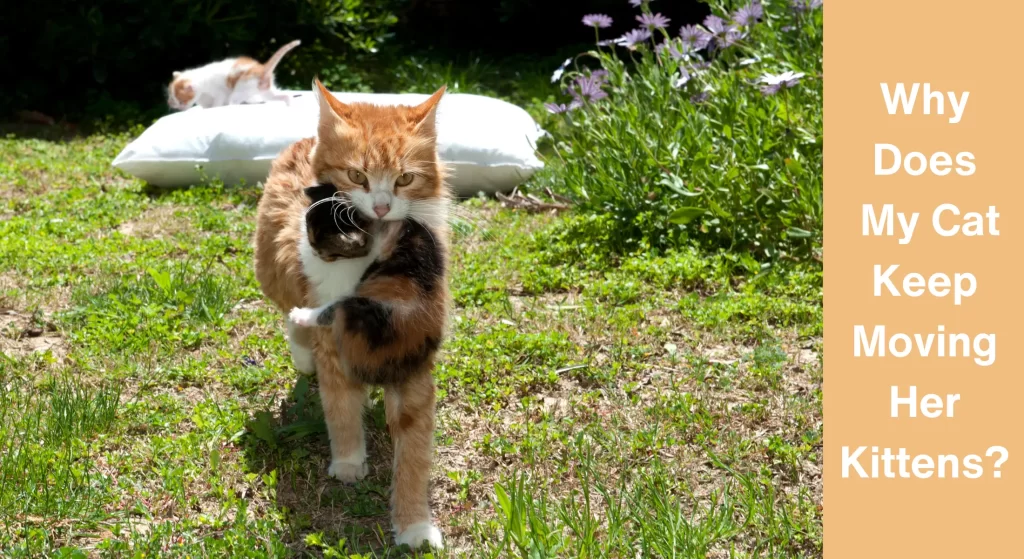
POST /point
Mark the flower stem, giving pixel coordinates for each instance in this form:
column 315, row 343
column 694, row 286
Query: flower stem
column 785, row 104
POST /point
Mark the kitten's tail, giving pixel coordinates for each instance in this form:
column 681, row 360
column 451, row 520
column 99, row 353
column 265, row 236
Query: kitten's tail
column 273, row 61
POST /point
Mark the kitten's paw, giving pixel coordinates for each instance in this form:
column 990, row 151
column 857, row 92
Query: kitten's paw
column 347, row 472
column 417, row 534
column 303, row 316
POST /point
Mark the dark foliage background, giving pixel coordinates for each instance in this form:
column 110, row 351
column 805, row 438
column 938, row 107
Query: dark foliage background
column 505, row 27
column 72, row 59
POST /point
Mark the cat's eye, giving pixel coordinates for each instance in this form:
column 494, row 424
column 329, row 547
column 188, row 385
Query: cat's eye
column 357, row 177
column 404, row 180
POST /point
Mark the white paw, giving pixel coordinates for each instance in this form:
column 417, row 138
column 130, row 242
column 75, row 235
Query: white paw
column 303, row 316
column 302, row 358
column 348, row 472
column 415, row 535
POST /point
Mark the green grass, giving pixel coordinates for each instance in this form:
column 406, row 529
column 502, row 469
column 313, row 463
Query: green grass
column 591, row 404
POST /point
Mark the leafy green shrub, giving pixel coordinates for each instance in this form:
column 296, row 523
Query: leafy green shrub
column 91, row 56
column 713, row 135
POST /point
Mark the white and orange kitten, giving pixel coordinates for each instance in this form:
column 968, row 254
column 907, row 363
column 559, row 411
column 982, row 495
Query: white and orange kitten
column 228, row 82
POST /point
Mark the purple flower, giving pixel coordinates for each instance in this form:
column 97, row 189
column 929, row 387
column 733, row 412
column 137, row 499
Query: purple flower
column 788, row 79
column 556, row 108
column 728, row 38
column 588, row 88
column 600, row 75
column 715, row 24
column 597, row 20
column 748, row 15
column 672, row 49
column 557, row 75
column 694, row 38
column 597, row 94
column 771, row 84
column 633, row 38
column 699, row 98
column 653, row 21
column 636, row 3
column 725, row 35
column 684, row 76
column 804, row 5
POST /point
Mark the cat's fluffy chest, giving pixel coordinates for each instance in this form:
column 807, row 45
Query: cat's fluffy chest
column 331, row 281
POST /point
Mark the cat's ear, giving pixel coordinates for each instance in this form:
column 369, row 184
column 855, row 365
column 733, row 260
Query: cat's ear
column 423, row 116
column 329, row 104
column 176, row 74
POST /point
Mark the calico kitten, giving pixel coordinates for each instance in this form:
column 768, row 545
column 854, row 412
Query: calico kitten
column 228, row 82
column 382, row 164
column 391, row 327
column 333, row 229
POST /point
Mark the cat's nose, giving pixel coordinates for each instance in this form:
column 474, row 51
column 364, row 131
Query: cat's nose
column 382, row 209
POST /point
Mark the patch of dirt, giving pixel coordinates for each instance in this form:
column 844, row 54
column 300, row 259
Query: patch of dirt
column 156, row 223
column 11, row 293
column 23, row 334
column 552, row 303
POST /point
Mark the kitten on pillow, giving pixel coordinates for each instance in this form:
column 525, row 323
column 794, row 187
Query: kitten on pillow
column 228, row 82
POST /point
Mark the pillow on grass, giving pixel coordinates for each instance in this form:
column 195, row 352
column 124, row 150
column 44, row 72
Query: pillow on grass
column 488, row 144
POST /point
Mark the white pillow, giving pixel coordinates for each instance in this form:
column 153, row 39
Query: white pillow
column 488, row 144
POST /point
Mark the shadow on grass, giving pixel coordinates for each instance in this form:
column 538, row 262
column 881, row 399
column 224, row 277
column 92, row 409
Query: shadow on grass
column 57, row 132
column 292, row 440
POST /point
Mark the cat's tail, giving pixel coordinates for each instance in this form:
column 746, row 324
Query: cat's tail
column 268, row 67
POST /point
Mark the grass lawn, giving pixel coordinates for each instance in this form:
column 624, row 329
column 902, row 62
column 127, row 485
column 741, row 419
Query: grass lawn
column 590, row 405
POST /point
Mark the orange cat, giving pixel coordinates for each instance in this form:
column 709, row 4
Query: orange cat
column 376, row 169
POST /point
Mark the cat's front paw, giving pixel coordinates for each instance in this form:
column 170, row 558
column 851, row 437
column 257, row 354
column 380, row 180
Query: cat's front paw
column 303, row 316
column 347, row 472
column 417, row 534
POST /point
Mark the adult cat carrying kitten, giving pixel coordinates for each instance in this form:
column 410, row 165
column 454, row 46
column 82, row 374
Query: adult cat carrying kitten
column 391, row 327
column 228, row 82
column 378, row 168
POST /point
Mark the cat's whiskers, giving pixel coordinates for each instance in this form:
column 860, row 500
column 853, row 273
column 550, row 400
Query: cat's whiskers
column 338, row 203
column 353, row 221
column 315, row 204
column 429, row 212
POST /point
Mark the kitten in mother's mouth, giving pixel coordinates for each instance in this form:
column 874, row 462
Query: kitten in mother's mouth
column 334, row 228
column 390, row 328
